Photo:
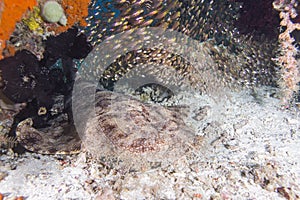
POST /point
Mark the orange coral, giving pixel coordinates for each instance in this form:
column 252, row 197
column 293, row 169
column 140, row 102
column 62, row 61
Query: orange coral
column 11, row 11
column 76, row 12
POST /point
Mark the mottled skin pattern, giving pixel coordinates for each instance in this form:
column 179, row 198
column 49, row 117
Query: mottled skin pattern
column 137, row 127
column 54, row 140
column 135, row 133
column 121, row 123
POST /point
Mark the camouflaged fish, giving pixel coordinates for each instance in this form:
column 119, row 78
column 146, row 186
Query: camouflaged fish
column 123, row 124
column 58, row 140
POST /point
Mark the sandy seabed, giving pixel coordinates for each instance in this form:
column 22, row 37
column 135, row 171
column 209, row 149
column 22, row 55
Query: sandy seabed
column 249, row 149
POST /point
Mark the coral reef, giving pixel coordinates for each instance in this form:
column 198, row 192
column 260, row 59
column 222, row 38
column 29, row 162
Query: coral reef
column 34, row 21
column 23, row 38
column 289, row 72
column 76, row 11
column 11, row 12
column 52, row 12
column 20, row 74
column 68, row 44
column 38, row 83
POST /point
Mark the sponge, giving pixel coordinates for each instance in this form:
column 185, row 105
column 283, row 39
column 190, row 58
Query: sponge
column 53, row 12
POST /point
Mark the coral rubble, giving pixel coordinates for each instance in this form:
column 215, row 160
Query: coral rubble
column 10, row 13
